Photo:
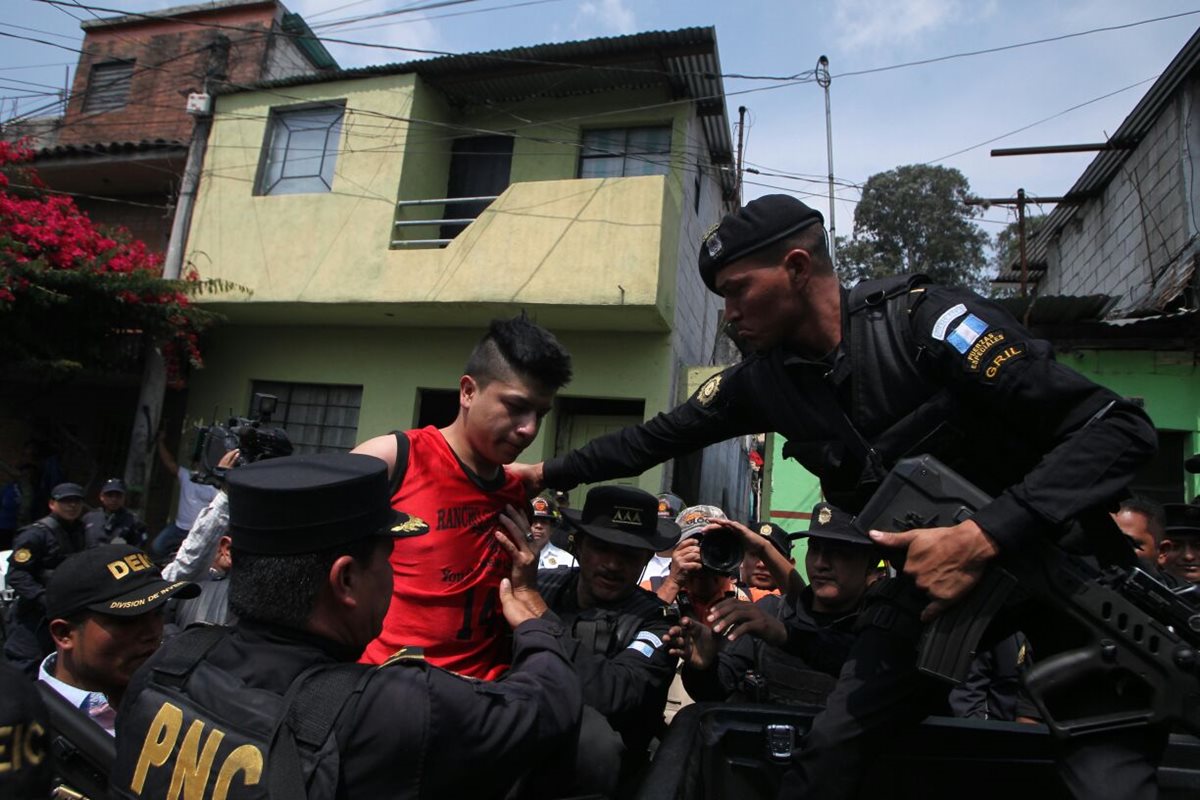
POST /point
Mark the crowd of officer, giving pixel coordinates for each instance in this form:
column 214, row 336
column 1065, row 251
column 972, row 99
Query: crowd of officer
column 612, row 610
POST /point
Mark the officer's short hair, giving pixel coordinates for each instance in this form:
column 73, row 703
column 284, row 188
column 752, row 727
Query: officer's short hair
column 521, row 346
column 283, row 590
column 1152, row 511
column 812, row 239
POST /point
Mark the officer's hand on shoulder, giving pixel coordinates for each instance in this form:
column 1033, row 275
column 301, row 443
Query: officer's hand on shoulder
column 945, row 562
column 530, row 475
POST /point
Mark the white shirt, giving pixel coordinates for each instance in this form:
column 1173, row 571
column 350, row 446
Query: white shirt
column 73, row 694
column 658, row 567
column 193, row 497
column 555, row 557
column 199, row 547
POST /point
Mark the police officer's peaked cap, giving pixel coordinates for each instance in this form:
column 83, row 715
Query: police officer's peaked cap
column 624, row 516
column 1181, row 519
column 309, row 503
column 829, row 522
column 781, row 539
column 115, row 579
column 113, row 485
column 64, row 491
column 752, row 227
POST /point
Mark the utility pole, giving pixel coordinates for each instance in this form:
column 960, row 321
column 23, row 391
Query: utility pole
column 741, row 153
column 823, row 80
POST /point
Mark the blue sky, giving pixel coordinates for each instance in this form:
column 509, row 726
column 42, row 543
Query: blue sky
column 880, row 120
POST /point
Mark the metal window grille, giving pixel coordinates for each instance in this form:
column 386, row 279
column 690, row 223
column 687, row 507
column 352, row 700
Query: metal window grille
column 108, row 86
column 318, row 417
column 624, row 152
column 301, row 150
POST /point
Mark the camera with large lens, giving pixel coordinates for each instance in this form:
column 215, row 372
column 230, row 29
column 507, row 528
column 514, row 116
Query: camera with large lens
column 254, row 439
column 721, row 551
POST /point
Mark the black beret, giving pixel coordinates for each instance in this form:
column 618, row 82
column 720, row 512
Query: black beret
column 752, row 227
column 309, row 503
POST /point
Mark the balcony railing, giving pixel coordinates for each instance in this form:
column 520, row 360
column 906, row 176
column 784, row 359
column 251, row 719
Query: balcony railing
column 441, row 222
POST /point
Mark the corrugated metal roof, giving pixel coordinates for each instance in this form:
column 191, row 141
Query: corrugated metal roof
column 108, row 148
column 685, row 62
column 1057, row 308
column 1107, row 163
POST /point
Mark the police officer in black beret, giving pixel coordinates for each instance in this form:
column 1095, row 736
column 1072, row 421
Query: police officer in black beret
column 113, row 522
column 37, row 550
column 277, row 705
column 857, row 379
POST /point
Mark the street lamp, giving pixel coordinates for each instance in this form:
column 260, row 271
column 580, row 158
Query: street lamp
column 823, row 80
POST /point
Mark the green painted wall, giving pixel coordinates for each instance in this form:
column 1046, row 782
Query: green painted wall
column 391, row 364
column 550, row 238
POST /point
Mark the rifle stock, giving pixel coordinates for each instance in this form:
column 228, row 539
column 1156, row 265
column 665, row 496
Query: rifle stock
column 81, row 752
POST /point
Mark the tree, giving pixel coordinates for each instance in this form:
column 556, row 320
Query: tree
column 74, row 296
column 915, row 218
column 1007, row 247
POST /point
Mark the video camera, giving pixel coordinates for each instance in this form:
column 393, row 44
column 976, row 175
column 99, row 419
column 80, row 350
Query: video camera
column 254, row 439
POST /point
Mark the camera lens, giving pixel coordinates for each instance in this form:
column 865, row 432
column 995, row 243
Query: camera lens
column 721, row 551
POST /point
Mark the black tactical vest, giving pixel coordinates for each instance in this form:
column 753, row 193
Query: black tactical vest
column 198, row 731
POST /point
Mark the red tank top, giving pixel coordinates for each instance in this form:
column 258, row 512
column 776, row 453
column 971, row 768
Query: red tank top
column 446, row 590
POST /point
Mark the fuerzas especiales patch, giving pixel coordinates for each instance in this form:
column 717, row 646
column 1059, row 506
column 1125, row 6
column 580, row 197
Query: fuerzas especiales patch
column 966, row 332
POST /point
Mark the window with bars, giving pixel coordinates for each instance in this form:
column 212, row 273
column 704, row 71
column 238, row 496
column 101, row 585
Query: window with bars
column 624, row 152
column 108, row 86
column 300, row 149
column 318, row 417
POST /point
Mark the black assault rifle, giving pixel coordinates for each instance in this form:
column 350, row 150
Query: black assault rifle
column 1130, row 658
column 81, row 752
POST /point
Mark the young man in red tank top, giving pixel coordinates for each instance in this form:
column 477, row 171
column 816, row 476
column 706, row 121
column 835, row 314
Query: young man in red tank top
column 446, row 582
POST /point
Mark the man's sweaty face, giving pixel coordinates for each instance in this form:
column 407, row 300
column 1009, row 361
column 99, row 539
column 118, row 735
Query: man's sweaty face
column 837, row 572
column 608, row 572
column 760, row 302
column 504, row 418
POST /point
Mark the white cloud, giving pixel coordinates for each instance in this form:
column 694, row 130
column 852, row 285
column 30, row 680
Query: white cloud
column 603, row 17
column 862, row 24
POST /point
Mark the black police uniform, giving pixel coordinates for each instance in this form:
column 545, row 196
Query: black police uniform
column 410, row 731
column 802, row 671
column 38, row 549
column 624, row 668
column 24, row 761
column 920, row 369
column 287, row 711
column 121, row 525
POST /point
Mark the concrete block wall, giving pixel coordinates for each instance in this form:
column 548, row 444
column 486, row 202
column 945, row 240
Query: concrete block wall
column 1138, row 223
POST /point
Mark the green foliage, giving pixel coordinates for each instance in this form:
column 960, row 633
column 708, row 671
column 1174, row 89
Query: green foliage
column 1007, row 246
column 915, row 218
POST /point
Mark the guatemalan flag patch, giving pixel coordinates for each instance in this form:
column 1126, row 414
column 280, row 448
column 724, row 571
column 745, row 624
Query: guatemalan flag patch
column 966, row 332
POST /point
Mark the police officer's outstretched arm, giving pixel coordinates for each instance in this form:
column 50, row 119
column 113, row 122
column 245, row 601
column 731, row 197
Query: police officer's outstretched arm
column 719, row 410
column 1087, row 441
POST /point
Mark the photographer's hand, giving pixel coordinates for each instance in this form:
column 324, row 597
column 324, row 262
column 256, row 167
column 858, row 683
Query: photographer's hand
column 684, row 561
column 230, row 459
column 758, row 546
